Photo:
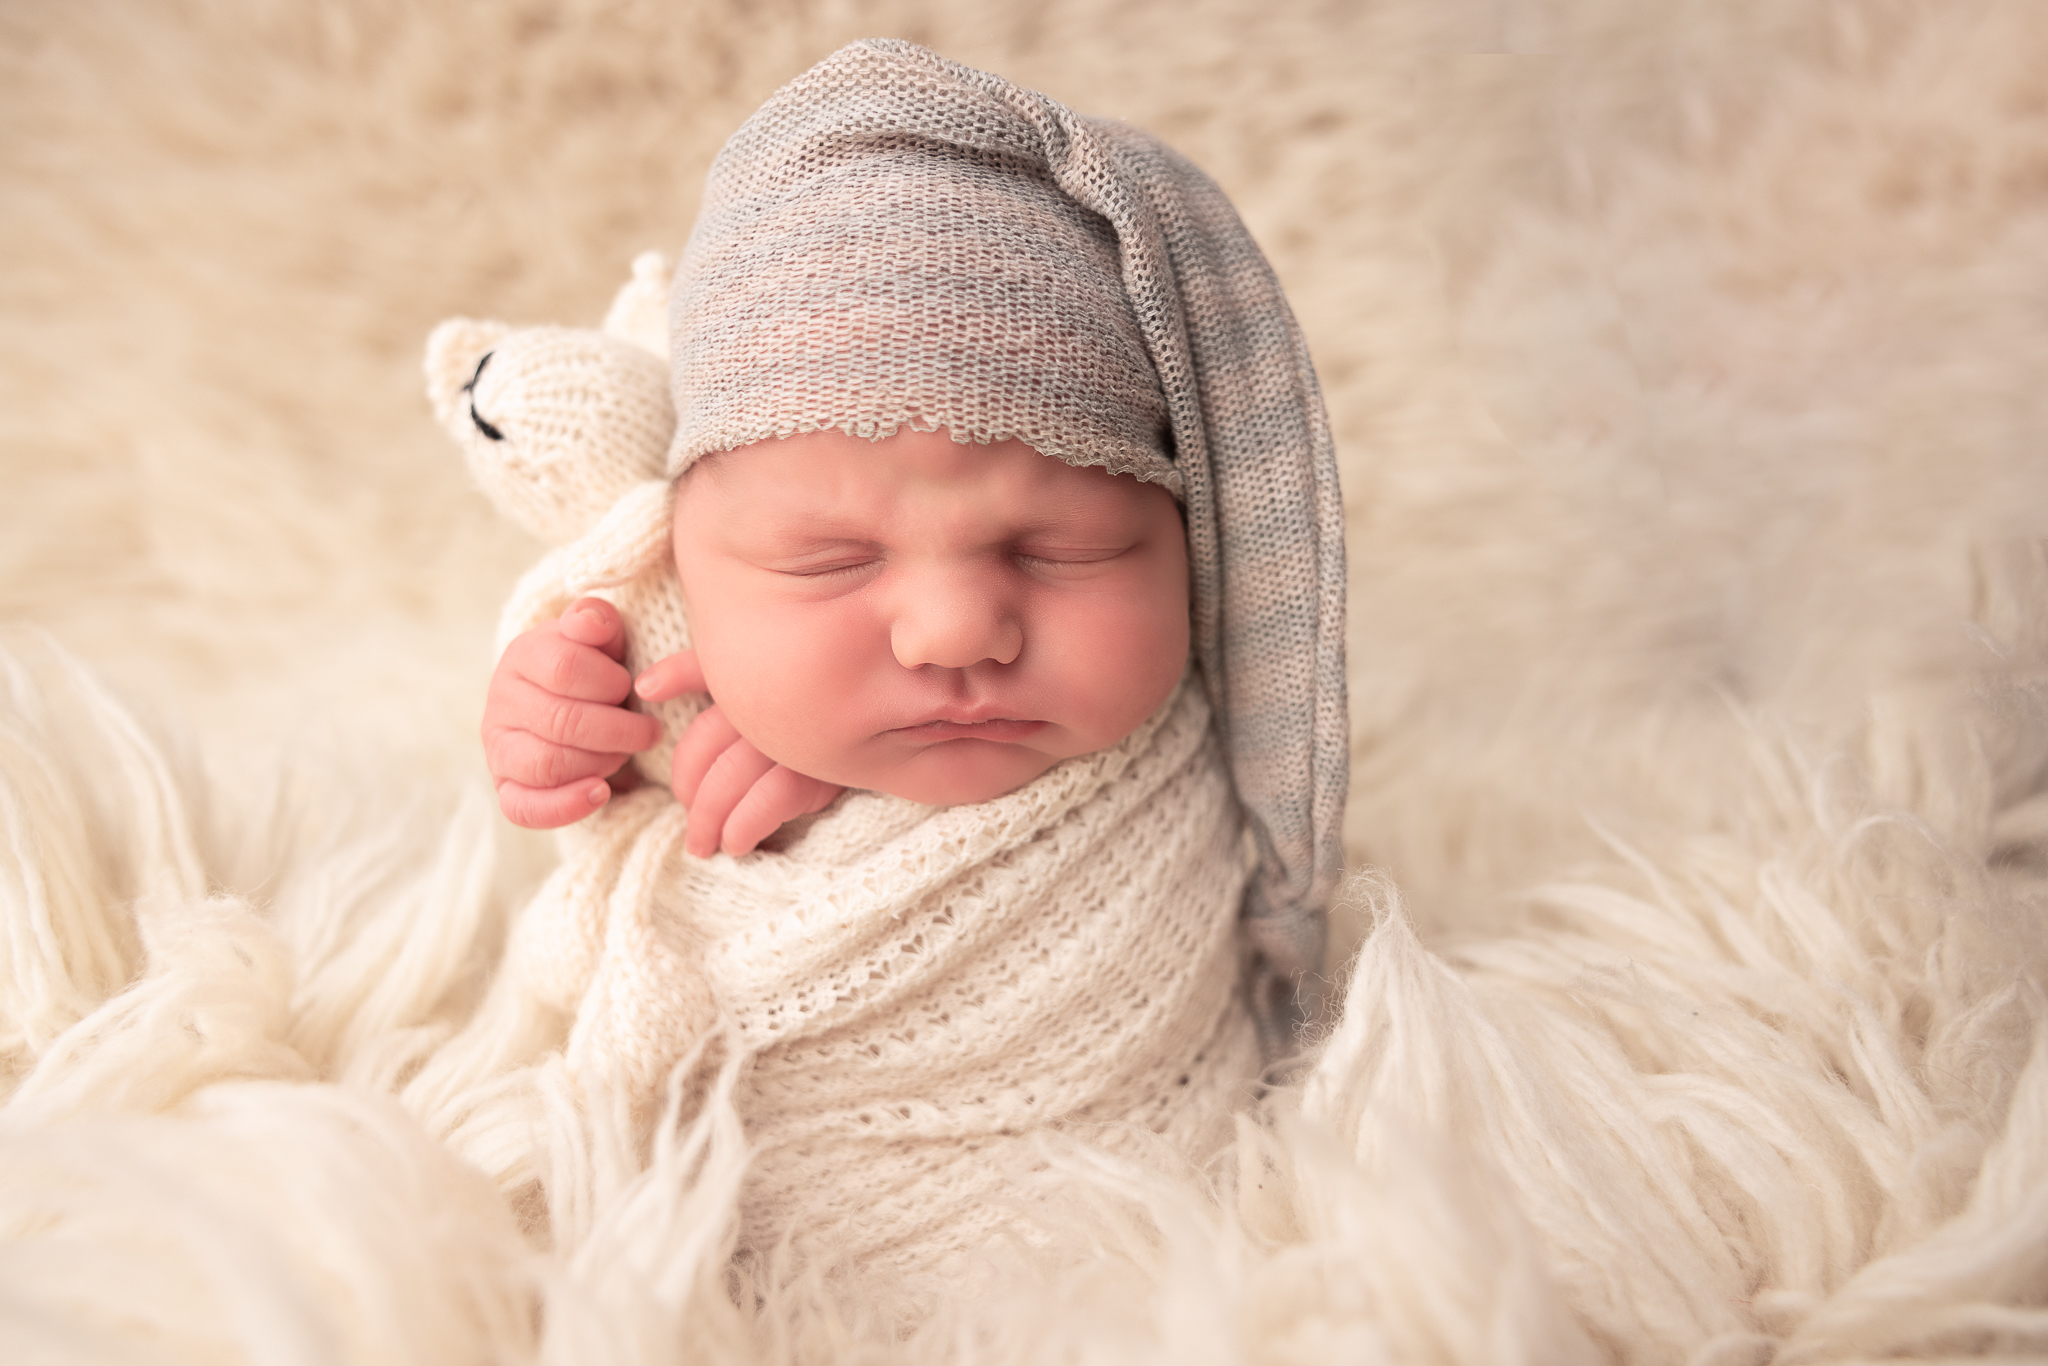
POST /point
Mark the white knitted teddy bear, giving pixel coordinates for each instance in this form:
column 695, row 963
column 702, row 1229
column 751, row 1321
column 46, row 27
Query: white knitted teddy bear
column 566, row 430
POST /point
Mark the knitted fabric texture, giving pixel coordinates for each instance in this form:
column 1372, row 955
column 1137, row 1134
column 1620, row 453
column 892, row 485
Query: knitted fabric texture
column 894, row 239
column 870, row 280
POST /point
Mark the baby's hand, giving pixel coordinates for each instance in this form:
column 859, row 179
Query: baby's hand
column 553, row 727
column 736, row 795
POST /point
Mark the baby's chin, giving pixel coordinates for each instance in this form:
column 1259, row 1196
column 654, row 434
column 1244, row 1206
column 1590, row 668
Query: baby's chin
column 960, row 773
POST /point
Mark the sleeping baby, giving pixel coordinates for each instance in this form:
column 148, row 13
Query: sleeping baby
column 976, row 563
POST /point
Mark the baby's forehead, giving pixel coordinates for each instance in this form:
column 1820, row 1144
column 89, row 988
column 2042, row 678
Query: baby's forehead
column 834, row 475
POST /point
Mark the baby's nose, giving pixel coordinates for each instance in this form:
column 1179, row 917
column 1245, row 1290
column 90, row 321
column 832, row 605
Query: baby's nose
column 954, row 627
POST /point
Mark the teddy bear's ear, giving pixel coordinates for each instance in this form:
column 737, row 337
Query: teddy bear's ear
column 557, row 422
column 453, row 349
column 639, row 311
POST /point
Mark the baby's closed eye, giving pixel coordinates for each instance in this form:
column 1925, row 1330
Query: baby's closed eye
column 835, row 570
column 1069, row 559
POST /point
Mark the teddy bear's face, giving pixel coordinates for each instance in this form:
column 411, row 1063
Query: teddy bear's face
column 557, row 423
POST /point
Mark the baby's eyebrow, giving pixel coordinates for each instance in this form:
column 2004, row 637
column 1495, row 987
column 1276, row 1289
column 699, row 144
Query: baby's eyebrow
column 820, row 519
column 797, row 536
column 822, row 524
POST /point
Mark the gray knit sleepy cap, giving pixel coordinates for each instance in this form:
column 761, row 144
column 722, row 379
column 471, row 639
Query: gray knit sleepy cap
column 860, row 273
column 894, row 240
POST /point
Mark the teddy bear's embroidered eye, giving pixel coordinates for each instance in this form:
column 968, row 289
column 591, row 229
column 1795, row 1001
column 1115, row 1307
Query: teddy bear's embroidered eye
column 470, row 388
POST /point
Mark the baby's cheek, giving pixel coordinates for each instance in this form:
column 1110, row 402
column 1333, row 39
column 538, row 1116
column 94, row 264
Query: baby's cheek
column 1129, row 657
column 792, row 684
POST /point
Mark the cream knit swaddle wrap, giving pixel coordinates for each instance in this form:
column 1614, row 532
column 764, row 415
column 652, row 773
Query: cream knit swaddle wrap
column 896, row 240
column 920, row 988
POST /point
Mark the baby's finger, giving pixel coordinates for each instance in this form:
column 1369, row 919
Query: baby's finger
column 781, row 796
column 530, row 761
column 595, row 622
column 730, row 777
column 674, row 676
column 595, row 726
column 534, row 808
column 556, row 664
column 707, row 736
column 821, row 796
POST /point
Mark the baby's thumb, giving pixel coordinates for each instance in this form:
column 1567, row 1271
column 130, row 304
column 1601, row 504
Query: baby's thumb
column 674, row 676
column 595, row 622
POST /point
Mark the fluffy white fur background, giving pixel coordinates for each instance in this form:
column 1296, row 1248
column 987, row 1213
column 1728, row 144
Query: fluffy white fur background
column 1689, row 365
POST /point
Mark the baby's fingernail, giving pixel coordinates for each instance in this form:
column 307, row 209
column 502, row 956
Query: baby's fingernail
column 643, row 685
column 599, row 794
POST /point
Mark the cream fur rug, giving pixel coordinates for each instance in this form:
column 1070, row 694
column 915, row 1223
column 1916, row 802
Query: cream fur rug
column 1688, row 368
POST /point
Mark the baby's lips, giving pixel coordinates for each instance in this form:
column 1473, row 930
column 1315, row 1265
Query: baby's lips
column 1001, row 729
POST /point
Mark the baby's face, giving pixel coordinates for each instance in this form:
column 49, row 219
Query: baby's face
column 936, row 620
